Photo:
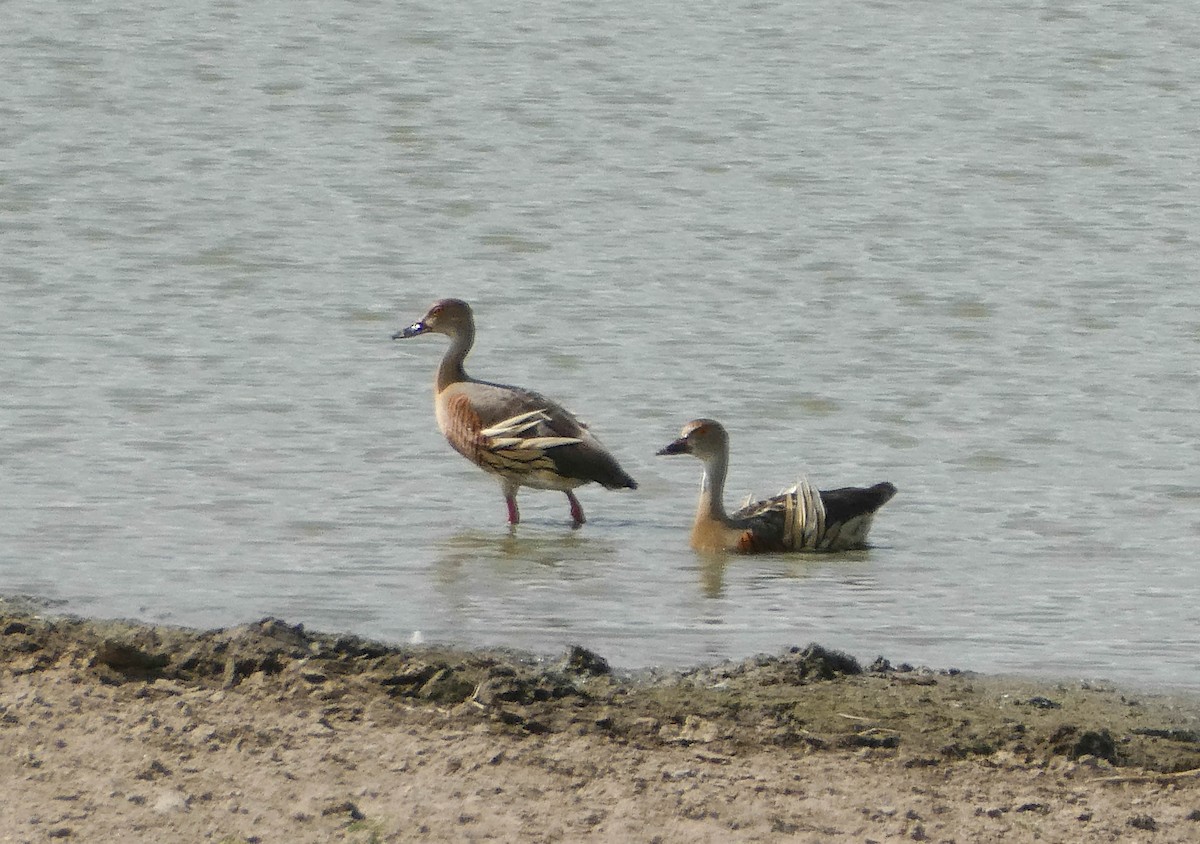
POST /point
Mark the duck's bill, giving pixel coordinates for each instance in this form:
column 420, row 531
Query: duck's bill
column 677, row 447
column 412, row 331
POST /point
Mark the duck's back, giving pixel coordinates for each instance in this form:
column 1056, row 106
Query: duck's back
column 491, row 404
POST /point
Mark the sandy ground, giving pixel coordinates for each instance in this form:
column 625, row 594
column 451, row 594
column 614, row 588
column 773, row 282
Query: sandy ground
column 111, row 731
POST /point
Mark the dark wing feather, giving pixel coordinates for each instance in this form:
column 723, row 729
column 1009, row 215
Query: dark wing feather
column 842, row 505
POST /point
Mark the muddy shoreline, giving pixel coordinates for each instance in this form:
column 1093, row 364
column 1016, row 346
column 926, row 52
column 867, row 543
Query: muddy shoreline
column 116, row 726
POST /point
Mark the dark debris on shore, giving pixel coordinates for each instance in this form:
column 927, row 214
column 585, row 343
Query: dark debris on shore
column 808, row 698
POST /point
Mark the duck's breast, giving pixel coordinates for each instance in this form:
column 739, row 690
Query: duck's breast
column 710, row 535
column 459, row 423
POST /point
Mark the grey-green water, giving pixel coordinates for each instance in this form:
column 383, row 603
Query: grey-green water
column 950, row 245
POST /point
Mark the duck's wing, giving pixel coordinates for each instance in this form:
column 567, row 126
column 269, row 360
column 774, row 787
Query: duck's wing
column 525, row 430
column 791, row 521
column 520, row 430
column 503, row 406
column 803, row 519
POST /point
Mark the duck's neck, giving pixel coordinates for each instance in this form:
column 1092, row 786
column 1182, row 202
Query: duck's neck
column 712, row 490
column 451, row 369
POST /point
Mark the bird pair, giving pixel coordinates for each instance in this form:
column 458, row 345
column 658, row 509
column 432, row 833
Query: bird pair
column 526, row 439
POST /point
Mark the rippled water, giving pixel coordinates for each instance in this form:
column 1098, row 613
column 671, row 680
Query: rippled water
column 951, row 246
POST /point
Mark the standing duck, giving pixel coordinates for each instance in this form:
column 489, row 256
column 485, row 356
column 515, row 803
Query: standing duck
column 798, row 519
column 518, row 435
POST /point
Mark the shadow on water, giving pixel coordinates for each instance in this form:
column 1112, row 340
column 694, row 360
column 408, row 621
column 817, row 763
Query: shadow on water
column 762, row 570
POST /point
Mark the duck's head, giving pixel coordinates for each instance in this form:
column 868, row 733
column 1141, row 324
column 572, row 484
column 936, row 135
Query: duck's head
column 703, row 438
column 448, row 316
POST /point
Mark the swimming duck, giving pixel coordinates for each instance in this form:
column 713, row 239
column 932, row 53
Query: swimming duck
column 518, row 435
column 798, row 519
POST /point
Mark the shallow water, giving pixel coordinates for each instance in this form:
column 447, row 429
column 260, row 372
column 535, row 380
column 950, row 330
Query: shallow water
column 954, row 248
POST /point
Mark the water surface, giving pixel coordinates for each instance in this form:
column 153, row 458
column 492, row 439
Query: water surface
column 953, row 247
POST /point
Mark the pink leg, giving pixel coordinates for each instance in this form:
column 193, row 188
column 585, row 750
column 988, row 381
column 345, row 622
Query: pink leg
column 513, row 516
column 576, row 509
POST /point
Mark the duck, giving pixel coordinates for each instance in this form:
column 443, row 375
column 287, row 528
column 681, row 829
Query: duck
column 518, row 435
column 798, row 519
